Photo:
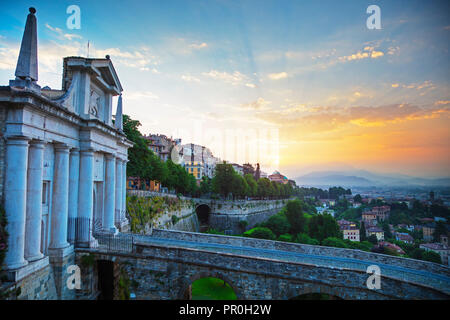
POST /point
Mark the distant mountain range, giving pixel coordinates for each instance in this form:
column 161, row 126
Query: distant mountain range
column 364, row 178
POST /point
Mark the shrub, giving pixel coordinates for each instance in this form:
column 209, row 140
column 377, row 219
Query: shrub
column 175, row 219
column 286, row 237
column 305, row 239
column 278, row 223
column 334, row 242
column 260, row 233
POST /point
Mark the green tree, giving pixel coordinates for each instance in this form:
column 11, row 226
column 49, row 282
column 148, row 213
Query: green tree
column 362, row 232
column 278, row 223
column 264, row 188
column 441, row 229
column 239, row 186
column 224, row 176
column 373, row 239
column 357, row 198
column 323, row 226
column 252, row 185
column 205, row 185
column 295, row 216
column 431, row 256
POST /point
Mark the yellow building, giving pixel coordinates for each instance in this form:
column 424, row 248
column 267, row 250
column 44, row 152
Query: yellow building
column 196, row 168
column 379, row 233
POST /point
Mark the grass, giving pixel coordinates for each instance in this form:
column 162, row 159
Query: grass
column 212, row 289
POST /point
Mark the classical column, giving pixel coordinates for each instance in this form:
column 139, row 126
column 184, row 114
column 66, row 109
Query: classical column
column 124, row 191
column 74, row 173
column 15, row 200
column 85, row 197
column 34, row 201
column 60, row 198
column 119, row 181
column 110, row 193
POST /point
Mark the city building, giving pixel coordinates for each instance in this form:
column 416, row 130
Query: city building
column 161, row 145
column 63, row 168
column 369, row 217
column 439, row 248
column 278, row 177
column 382, row 212
column 428, row 231
column 350, row 232
column 238, row 168
column 136, row 183
column 379, row 233
column 391, row 246
column 198, row 160
column 404, row 237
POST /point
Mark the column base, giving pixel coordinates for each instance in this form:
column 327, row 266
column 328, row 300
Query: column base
column 35, row 257
column 93, row 243
column 59, row 253
column 112, row 230
column 16, row 265
column 30, row 267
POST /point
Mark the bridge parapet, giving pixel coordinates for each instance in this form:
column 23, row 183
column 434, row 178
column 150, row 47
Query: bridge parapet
column 376, row 258
column 175, row 264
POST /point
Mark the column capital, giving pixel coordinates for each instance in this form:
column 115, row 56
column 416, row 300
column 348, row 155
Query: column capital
column 87, row 152
column 17, row 140
column 110, row 156
column 61, row 147
column 37, row 143
column 74, row 150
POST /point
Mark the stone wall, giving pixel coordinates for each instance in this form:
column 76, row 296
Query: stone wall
column 39, row 285
column 167, row 272
column 231, row 223
column 48, row 282
column 306, row 249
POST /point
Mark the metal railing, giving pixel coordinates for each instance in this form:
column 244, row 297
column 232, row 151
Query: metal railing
column 121, row 242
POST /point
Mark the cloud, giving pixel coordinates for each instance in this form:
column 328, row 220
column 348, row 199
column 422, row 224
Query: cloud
column 259, row 104
column 235, row 78
column 277, row 76
column 62, row 35
column 198, row 46
column 442, row 102
column 136, row 95
column 325, row 118
column 141, row 58
column 427, row 84
column 189, row 78
column 368, row 52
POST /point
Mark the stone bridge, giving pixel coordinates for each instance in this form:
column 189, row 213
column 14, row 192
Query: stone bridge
column 165, row 264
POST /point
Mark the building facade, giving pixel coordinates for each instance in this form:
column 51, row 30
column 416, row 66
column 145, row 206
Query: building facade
column 198, row 160
column 63, row 160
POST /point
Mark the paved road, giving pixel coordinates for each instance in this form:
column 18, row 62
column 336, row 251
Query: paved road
column 437, row 281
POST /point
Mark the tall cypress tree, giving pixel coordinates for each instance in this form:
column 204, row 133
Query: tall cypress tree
column 362, row 232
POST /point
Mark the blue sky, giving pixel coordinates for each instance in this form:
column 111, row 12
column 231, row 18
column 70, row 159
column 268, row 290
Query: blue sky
column 309, row 69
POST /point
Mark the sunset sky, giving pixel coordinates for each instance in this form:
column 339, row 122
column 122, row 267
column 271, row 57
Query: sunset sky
column 294, row 85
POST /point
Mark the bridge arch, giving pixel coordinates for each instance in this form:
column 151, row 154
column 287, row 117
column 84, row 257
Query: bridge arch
column 187, row 282
column 203, row 211
column 315, row 292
